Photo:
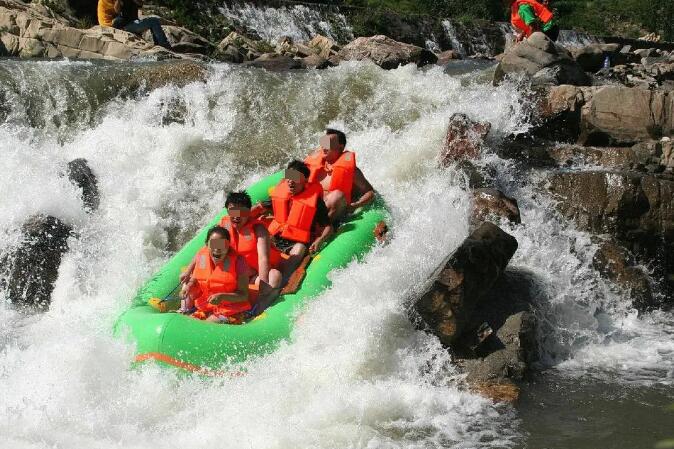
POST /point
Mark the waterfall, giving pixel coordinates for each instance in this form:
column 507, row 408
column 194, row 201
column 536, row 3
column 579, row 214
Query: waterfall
column 300, row 22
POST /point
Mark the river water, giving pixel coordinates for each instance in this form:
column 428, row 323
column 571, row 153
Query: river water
column 356, row 373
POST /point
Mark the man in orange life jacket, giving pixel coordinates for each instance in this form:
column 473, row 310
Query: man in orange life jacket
column 251, row 240
column 529, row 16
column 218, row 282
column 300, row 217
column 345, row 188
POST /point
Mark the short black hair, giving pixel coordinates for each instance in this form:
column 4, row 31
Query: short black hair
column 217, row 230
column 240, row 198
column 341, row 137
column 300, row 167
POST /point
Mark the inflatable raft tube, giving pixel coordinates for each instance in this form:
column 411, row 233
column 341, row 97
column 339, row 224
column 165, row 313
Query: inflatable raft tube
column 200, row 346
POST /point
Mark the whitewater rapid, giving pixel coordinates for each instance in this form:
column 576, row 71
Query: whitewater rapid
column 356, row 374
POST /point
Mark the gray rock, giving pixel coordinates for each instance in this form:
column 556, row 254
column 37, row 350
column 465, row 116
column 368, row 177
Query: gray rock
column 539, row 54
column 80, row 174
column 618, row 265
column 386, row 52
column 30, row 270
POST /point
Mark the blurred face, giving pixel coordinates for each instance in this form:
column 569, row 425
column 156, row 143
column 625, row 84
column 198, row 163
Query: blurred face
column 331, row 147
column 218, row 245
column 238, row 214
column 296, row 181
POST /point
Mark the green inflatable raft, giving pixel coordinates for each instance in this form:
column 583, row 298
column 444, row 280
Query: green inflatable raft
column 200, row 346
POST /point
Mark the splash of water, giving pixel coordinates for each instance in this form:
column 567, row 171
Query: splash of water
column 300, row 22
column 356, row 374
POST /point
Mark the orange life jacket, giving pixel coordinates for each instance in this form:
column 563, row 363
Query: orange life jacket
column 343, row 171
column 213, row 279
column 540, row 10
column 294, row 222
column 244, row 242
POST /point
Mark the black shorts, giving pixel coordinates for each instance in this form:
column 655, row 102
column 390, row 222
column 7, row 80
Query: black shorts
column 283, row 245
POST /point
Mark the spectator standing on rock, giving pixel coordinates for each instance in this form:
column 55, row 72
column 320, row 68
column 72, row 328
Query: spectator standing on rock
column 528, row 16
column 123, row 15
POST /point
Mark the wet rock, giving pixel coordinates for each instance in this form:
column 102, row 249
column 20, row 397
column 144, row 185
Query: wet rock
column 539, row 58
column 556, row 112
column 513, row 349
column 491, row 203
column 276, row 63
column 635, row 208
column 463, row 281
column 464, row 139
column 494, row 361
column 386, row 52
column 30, row 270
column 618, row 265
column 81, row 175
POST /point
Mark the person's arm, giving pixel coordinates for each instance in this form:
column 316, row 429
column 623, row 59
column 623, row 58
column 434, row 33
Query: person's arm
column 325, row 233
column 185, row 276
column 241, row 293
column 529, row 17
column 362, row 186
column 263, row 248
column 321, row 219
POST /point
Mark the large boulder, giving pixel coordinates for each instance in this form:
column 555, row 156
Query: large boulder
column 620, row 115
column 463, row 281
column 602, row 116
column 546, row 63
column 30, row 270
column 464, row 139
column 386, row 52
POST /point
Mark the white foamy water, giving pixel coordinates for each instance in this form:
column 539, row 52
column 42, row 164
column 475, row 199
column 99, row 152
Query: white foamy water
column 299, row 22
column 357, row 374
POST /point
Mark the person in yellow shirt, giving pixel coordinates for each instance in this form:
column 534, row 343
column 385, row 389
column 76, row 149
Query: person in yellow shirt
column 123, row 15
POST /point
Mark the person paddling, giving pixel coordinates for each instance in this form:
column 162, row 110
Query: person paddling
column 217, row 289
column 344, row 185
column 529, row 16
column 300, row 220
